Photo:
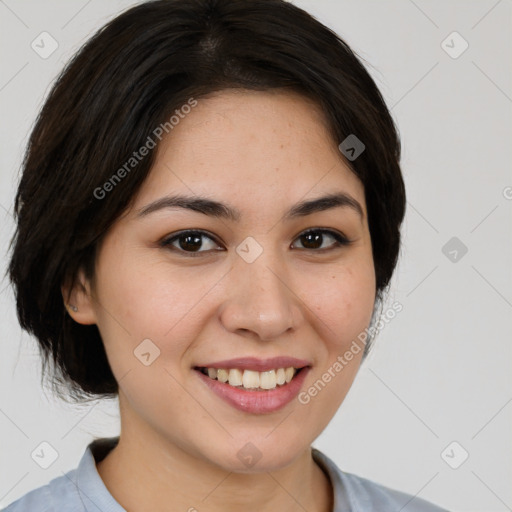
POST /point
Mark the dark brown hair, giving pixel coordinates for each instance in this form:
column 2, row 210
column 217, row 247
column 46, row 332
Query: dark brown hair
column 126, row 81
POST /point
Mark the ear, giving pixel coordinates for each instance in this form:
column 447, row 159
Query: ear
column 78, row 300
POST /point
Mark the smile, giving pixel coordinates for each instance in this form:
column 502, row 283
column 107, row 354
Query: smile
column 250, row 379
column 250, row 390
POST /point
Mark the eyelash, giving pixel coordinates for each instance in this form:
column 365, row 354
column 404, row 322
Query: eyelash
column 340, row 241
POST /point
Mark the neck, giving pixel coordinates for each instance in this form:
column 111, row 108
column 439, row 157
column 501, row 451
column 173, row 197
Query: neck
column 168, row 477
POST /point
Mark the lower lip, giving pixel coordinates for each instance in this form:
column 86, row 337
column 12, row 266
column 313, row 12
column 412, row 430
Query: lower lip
column 257, row 402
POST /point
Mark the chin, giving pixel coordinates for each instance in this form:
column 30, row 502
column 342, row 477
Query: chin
column 258, row 456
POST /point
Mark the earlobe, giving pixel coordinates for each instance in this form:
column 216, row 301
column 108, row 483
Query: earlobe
column 78, row 300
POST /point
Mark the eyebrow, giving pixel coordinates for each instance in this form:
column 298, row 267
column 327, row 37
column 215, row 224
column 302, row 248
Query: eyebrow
column 220, row 210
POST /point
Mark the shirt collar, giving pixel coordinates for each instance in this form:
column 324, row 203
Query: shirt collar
column 93, row 492
column 341, row 502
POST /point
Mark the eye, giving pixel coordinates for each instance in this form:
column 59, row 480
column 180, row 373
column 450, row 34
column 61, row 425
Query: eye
column 188, row 241
column 314, row 237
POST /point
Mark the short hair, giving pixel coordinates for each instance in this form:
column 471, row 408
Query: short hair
column 125, row 81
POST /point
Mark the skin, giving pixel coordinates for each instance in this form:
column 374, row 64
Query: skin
column 260, row 152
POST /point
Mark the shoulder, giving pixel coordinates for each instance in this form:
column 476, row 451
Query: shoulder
column 352, row 492
column 69, row 491
column 384, row 498
column 53, row 497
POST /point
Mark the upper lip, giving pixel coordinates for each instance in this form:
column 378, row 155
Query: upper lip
column 255, row 364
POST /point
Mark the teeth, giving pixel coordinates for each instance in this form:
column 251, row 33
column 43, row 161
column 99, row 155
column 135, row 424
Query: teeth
column 268, row 379
column 222, row 375
column 280, row 376
column 235, row 377
column 250, row 379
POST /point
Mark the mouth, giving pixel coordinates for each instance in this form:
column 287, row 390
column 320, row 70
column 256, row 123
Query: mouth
column 252, row 380
column 255, row 386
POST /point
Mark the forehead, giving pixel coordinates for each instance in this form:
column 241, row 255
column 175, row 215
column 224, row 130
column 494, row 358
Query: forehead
column 252, row 147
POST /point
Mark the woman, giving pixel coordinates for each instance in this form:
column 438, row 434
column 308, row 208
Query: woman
column 207, row 222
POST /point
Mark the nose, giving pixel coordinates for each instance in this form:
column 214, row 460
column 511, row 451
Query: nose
column 260, row 300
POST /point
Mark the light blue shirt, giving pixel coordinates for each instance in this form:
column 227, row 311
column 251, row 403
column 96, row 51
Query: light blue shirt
column 83, row 490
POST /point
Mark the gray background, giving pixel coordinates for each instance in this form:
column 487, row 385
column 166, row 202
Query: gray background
column 441, row 370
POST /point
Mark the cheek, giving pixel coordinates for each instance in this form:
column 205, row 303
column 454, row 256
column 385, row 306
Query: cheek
column 343, row 306
column 140, row 298
column 343, row 303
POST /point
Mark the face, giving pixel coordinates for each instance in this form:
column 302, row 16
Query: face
column 250, row 287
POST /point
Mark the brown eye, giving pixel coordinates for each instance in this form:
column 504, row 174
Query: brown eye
column 189, row 242
column 314, row 238
column 192, row 242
